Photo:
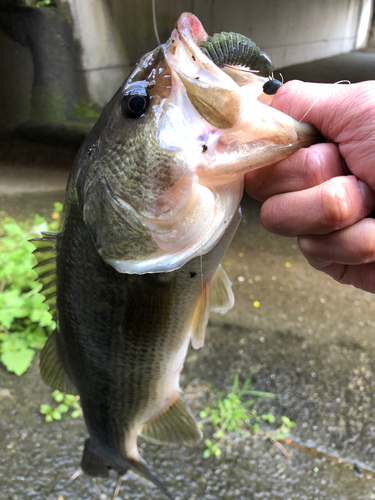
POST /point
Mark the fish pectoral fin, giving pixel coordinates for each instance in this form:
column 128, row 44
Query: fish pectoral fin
column 221, row 294
column 175, row 424
column 200, row 318
column 52, row 370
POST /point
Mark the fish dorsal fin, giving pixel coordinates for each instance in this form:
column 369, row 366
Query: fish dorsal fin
column 200, row 317
column 45, row 254
column 175, row 424
column 52, row 370
column 221, row 294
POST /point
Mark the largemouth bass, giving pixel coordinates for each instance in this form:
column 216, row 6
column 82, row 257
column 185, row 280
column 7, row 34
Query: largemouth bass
column 151, row 206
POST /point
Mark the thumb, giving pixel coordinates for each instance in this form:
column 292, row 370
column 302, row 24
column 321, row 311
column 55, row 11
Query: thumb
column 331, row 108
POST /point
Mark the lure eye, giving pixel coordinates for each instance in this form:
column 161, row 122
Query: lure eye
column 272, row 86
column 134, row 102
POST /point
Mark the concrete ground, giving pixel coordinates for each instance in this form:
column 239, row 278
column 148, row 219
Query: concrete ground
column 311, row 339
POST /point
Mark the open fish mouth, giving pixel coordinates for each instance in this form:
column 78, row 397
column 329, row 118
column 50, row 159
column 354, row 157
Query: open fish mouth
column 246, row 133
column 208, row 126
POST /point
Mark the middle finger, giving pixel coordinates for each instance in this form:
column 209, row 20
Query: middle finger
column 305, row 169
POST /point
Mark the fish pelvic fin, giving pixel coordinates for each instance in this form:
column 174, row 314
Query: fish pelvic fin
column 45, row 254
column 221, row 294
column 52, row 369
column 175, row 424
column 215, row 296
column 200, row 317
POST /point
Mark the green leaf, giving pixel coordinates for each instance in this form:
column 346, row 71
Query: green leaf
column 13, row 229
column 269, row 418
column 17, row 361
column 279, row 436
column 206, row 454
column 58, row 206
column 58, row 396
column 56, row 415
column 69, row 399
column 45, row 409
column 287, row 422
column 63, row 408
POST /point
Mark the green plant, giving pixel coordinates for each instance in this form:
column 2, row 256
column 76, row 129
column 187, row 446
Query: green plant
column 43, row 3
column 282, row 432
column 229, row 414
column 66, row 402
column 24, row 319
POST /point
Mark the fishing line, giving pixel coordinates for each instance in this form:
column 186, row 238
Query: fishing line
column 154, row 20
column 201, row 262
column 310, row 108
column 348, row 82
column 240, row 68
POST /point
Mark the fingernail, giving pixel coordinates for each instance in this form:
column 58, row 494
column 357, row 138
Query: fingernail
column 368, row 195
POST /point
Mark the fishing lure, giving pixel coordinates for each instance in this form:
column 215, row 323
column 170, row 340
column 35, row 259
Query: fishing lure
column 233, row 49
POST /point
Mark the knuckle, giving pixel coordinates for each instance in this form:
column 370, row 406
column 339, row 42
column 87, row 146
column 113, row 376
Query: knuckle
column 321, row 163
column 268, row 216
column 313, row 168
column 367, row 249
column 336, row 203
column 256, row 185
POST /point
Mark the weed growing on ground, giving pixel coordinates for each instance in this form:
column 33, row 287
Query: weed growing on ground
column 230, row 414
column 24, row 319
column 65, row 402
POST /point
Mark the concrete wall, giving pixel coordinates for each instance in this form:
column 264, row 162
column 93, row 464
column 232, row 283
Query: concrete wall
column 40, row 76
column 111, row 35
column 115, row 33
column 371, row 37
column 16, row 81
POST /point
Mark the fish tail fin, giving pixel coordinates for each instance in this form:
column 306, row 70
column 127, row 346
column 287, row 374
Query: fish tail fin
column 92, row 463
column 140, row 467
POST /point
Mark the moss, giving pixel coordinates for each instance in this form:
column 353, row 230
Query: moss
column 87, row 109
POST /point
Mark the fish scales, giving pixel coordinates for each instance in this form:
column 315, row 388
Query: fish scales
column 126, row 343
column 151, row 206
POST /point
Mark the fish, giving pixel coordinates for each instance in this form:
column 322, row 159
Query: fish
column 152, row 204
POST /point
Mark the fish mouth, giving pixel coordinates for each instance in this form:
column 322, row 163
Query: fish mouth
column 214, row 125
column 205, row 83
column 249, row 133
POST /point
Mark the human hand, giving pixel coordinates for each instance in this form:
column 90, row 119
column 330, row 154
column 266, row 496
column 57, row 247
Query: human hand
column 310, row 195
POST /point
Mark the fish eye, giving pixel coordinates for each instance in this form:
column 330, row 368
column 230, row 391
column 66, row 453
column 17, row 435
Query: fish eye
column 135, row 102
column 272, row 86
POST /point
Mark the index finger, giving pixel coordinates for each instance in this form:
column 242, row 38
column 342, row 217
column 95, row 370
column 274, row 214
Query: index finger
column 345, row 114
